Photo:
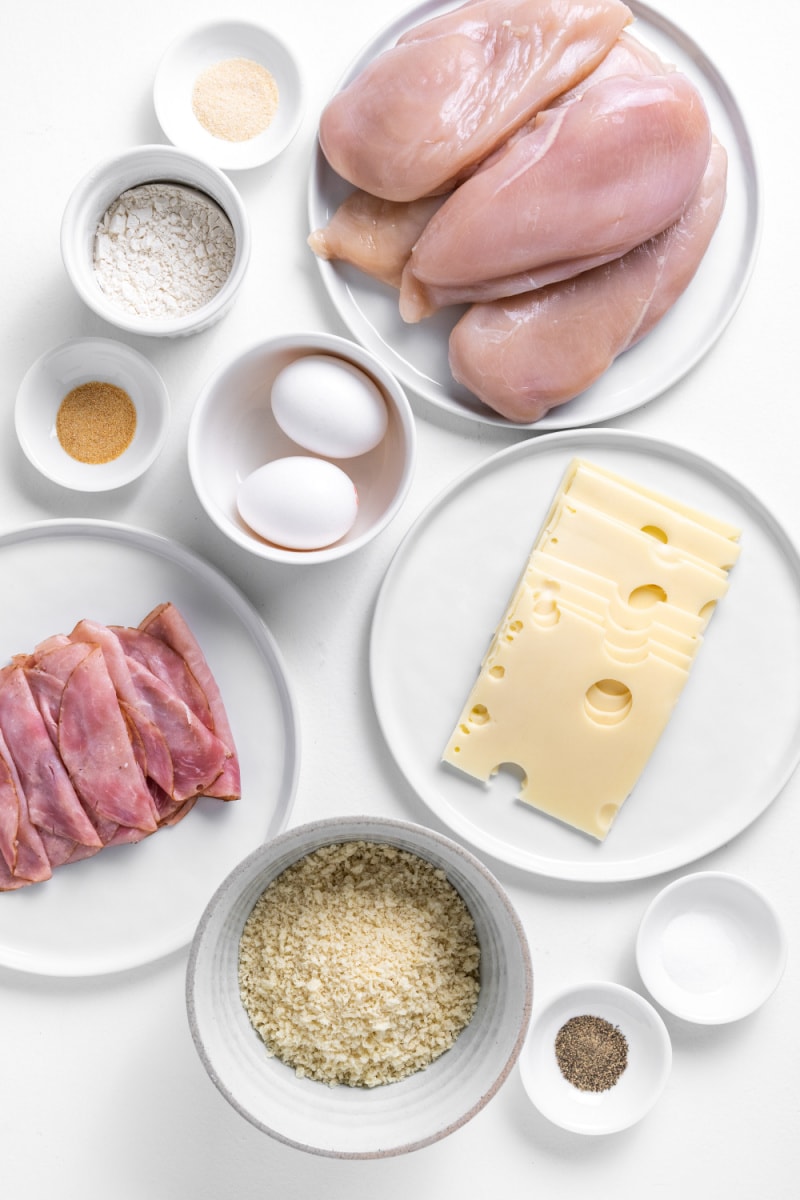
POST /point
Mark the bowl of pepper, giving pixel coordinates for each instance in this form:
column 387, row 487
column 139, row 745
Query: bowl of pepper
column 92, row 414
column 596, row 1059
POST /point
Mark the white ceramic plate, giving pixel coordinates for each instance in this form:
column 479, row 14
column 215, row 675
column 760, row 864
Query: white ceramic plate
column 734, row 738
column 417, row 354
column 205, row 46
column 133, row 904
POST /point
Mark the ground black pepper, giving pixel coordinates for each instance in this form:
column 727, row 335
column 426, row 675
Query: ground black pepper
column 591, row 1053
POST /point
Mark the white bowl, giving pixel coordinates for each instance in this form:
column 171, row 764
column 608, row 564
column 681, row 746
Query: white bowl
column 711, row 948
column 67, row 366
column 649, row 1060
column 93, row 195
column 204, row 47
column 232, row 432
column 358, row 1122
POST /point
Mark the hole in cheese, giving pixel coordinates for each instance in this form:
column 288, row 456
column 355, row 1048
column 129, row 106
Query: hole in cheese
column 608, row 702
column 479, row 714
column 545, row 604
column 707, row 610
column 653, row 531
column 646, row 596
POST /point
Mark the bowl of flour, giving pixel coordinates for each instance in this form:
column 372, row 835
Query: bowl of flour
column 156, row 241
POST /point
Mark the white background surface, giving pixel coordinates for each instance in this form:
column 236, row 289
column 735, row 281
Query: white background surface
column 103, row 1093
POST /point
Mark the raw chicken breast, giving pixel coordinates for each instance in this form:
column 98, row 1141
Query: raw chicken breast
column 592, row 180
column 628, row 56
column 451, row 89
column 374, row 235
column 377, row 236
column 525, row 355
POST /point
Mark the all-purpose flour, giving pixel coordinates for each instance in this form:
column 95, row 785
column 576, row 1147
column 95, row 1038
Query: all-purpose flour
column 162, row 249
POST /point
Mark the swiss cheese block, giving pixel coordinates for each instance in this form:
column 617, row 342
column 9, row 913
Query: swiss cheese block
column 595, row 646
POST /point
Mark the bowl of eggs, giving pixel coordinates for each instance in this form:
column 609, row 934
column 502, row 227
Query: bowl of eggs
column 302, row 448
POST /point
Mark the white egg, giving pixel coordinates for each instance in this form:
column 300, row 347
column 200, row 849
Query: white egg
column 300, row 503
column 329, row 406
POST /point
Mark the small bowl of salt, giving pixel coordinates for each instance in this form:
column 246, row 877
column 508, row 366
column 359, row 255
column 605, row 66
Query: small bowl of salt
column 156, row 241
column 711, row 948
column 230, row 92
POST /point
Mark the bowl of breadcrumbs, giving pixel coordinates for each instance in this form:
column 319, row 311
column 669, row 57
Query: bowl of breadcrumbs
column 359, row 987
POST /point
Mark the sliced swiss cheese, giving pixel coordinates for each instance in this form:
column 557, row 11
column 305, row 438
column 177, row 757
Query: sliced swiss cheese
column 596, row 643
column 577, row 722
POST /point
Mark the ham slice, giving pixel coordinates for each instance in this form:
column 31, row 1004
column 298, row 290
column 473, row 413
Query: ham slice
column 430, row 107
column 198, row 756
column 167, row 624
column 96, row 748
column 23, row 858
column 53, row 803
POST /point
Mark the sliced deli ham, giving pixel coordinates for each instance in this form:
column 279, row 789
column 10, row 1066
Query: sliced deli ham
column 107, row 734
column 198, row 756
column 167, row 623
column 53, row 803
column 23, row 858
column 96, row 748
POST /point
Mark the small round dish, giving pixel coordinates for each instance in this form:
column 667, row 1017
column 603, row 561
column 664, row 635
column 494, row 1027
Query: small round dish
column 204, row 49
column 233, row 433
column 386, row 1119
column 67, row 366
column 97, row 192
column 711, row 948
column 580, row 1108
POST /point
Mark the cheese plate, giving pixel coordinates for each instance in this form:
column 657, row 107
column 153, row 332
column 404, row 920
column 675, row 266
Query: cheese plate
column 734, row 738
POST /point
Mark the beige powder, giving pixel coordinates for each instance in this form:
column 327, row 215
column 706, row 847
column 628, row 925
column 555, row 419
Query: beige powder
column 359, row 964
column 235, row 99
column 96, row 422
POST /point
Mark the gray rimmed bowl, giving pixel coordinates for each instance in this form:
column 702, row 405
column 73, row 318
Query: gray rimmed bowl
column 351, row 1122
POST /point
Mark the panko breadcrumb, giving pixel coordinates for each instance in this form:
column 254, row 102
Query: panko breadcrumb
column 359, row 964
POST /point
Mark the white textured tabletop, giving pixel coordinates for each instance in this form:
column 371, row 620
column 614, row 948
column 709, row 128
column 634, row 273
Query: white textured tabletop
column 103, row 1093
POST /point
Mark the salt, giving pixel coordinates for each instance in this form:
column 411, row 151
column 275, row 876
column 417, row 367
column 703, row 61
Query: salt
column 699, row 952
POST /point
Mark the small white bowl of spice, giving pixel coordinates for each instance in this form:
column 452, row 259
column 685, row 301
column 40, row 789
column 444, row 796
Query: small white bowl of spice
column 156, row 241
column 92, row 414
column 711, row 948
column 596, row 1059
column 230, row 92
column 359, row 987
